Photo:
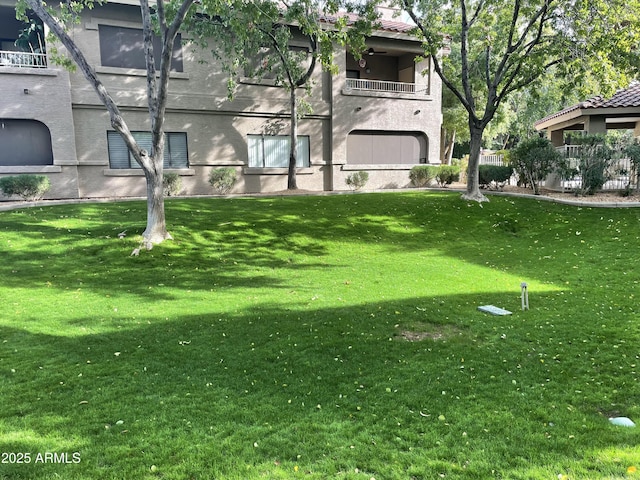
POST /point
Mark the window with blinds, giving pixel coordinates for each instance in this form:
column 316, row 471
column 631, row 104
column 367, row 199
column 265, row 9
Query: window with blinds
column 175, row 150
column 123, row 47
column 272, row 151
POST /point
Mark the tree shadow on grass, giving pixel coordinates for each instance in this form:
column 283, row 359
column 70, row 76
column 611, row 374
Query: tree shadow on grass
column 327, row 390
column 240, row 242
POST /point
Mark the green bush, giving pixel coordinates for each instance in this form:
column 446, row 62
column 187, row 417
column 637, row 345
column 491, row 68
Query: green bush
column 463, row 165
column 172, row 183
column 28, row 187
column 533, row 160
column 357, row 180
column 593, row 171
column 595, row 158
column 447, row 174
column 223, row 179
column 421, row 175
column 632, row 151
column 494, row 176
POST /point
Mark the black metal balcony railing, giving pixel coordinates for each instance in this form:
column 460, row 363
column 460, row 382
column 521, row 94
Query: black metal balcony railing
column 386, row 86
column 22, row 59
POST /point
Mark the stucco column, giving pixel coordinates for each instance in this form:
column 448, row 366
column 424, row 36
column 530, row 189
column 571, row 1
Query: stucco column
column 556, row 137
column 595, row 124
column 636, row 132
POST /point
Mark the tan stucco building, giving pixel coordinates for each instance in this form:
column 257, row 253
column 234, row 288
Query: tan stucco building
column 381, row 115
column 595, row 116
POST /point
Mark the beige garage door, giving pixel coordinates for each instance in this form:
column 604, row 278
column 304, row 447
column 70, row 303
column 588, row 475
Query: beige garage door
column 386, row 148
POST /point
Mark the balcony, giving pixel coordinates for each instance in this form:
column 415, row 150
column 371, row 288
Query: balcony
column 22, row 59
column 384, row 86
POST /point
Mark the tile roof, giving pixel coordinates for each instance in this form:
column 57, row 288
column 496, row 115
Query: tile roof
column 625, row 98
column 383, row 25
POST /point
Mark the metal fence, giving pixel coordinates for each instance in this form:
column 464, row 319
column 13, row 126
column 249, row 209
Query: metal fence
column 386, row 86
column 491, row 159
column 620, row 173
column 22, row 59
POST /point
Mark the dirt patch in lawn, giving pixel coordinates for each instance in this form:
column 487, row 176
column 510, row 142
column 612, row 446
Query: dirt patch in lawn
column 418, row 333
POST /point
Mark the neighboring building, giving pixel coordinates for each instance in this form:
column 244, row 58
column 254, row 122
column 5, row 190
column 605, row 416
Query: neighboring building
column 596, row 115
column 382, row 114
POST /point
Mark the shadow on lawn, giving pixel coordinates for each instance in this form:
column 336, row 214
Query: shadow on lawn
column 328, row 389
column 238, row 242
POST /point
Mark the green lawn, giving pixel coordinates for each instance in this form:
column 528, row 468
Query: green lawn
column 320, row 337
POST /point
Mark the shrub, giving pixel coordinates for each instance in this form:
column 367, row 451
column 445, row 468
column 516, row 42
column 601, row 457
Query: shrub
column 421, row 175
column 593, row 171
column 172, row 183
column 533, row 160
column 447, row 174
column 595, row 158
column 632, row 151
column 494, row 176
column 28, row 187
column 223, row 179
column 463, row 165
column 357, row 180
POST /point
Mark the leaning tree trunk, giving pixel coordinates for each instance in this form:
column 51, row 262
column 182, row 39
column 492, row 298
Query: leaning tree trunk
column 449, row 143
column 292, row 183
column 473, row 175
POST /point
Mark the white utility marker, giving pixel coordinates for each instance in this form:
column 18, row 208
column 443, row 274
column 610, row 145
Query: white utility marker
column 493, row 310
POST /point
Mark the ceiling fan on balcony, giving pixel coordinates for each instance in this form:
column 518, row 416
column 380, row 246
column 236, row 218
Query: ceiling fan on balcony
column 371, row 51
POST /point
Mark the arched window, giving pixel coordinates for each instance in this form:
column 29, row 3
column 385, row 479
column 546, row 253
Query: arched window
column 24, row 142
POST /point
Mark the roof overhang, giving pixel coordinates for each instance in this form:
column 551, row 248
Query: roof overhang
column 615, row 118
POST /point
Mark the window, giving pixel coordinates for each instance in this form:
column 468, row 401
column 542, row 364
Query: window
column 272, row 151
column 24, row 142
column 124, row 48
column 267, row 65
column 175, row 150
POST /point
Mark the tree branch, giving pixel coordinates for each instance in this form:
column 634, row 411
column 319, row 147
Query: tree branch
column 476, row 13
column 117, row 122
column 431, row 43
column 538, row 20
column 464, row 56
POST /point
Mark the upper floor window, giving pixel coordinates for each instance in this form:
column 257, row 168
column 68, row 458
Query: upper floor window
column 24, row 142
column 272, row 151
column 123, row 47
column 175, row 150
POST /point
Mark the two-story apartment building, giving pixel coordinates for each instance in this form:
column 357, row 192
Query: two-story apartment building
column 381, row 114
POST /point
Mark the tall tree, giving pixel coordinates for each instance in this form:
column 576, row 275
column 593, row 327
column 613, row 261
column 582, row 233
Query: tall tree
column 168, row 20
column 499, row 47
column 267, row 28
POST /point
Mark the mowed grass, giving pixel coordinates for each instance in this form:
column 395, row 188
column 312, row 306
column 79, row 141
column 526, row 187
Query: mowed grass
column 320, row 337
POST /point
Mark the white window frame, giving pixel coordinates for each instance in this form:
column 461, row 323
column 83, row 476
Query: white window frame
column 272, row 151
column 176, row 154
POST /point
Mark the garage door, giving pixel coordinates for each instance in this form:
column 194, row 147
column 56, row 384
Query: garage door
column 386, row 148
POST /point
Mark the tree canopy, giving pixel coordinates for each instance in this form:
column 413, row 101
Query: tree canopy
column 499, row 47
column 284, row 41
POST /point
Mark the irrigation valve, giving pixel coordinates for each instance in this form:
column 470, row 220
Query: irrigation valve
column 524, row 295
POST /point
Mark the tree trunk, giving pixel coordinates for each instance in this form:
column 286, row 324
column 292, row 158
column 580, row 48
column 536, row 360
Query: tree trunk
column 473, row 177
column 156, row 231
column 292, row 183
column 450, row 140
